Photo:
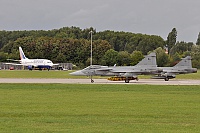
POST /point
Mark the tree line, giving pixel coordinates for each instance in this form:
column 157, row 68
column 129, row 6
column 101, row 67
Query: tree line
column 72, row 44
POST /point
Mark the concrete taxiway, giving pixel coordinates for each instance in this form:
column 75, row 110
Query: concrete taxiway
column 100, row 81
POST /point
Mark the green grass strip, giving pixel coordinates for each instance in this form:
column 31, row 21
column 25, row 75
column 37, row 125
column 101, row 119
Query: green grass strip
column 99, row 108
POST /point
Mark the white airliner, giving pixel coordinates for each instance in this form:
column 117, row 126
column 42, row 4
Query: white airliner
column 34, row 63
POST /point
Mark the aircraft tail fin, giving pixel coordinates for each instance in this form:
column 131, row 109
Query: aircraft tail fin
column 21, row 53
column 185, row 62
column 149, row 60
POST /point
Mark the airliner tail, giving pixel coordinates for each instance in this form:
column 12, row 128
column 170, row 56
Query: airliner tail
column 21, row 53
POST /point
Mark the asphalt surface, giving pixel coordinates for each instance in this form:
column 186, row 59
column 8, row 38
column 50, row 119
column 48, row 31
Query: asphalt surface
column 101, row 81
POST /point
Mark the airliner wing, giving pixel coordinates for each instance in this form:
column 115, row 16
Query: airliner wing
column 9, row 63
column 14, row 64
column 13, row 60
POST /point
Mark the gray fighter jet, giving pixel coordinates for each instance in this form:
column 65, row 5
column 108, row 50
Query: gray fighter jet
column 122, row 73
column 183, row 67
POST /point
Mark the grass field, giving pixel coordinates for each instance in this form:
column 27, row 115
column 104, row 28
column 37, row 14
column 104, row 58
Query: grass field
column 34, row 74
column 65, row 74
column 99, row 108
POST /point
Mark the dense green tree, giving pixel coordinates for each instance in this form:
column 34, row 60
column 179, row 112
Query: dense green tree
column 60, row 58
column 195, row 53
column 110, row 57
column 171, row 39
column 72, row 44
column 198, row 40
column 161, row 57
column 150, row 43
column 3, row 57
column 126, row 41
column 175, row 58
column 76, row 51
column 120, row 41
column 136, row 57
column 181, row 47
column 99, row 49
column 123, row 58
column 133, row 43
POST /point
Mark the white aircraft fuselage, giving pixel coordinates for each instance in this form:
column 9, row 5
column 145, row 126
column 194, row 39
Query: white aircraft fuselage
column 37, row 63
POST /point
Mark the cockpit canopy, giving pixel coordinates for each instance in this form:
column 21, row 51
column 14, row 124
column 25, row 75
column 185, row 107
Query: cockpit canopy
column 95, row 67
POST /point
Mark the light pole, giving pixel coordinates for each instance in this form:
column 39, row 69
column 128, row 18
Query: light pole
column 91, row 48
column 91, row 57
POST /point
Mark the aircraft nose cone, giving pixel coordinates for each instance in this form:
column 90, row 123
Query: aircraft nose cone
column 77, row 73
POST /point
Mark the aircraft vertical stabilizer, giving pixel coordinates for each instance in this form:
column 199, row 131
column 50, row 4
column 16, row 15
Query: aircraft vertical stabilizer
column 185, row 62
column 21, row 53
column 149, row 60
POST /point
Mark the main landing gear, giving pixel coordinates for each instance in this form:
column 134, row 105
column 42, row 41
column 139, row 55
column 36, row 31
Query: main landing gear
column 92, row 81
column 166, row 79
column 128, row 79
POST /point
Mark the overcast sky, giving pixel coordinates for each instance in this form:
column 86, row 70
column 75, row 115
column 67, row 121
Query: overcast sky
column 154, row 17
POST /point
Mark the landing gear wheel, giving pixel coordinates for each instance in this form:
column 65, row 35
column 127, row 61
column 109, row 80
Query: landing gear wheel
column 137, row 79
column 92, row 81
column 166, row 79
column 126, row 81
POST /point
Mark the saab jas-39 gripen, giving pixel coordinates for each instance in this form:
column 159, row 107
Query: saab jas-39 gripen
column 146, row 66
column 183, row 67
